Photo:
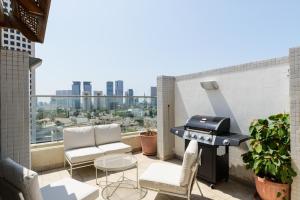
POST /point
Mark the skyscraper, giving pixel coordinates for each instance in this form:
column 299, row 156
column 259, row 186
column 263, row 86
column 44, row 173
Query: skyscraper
column 99, row 100
column 126, row 98
column 87, row 91
column 109, row 93
column 119, row 91
column 63, row 102
column 87, row 87
column 109, row 88
column 130, row 98
column 87, row 101
column 153, row 94
column 76, row 90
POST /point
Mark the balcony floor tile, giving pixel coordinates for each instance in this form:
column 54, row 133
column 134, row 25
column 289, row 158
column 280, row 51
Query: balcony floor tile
column 224, row 191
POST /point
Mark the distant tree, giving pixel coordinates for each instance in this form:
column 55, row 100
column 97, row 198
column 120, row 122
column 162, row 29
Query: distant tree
column 88, row 115
column 40, row 115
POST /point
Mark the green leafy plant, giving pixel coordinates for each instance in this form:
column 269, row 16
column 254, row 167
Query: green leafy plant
column 269, row 156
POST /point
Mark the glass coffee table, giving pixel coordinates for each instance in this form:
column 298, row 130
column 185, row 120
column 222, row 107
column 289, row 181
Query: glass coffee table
column 124, row 188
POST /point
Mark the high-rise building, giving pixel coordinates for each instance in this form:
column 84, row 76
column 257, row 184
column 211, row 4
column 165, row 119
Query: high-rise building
column 99, row 100
column 87, row 87
column 76, row 91
column 130, row 98
column 153, row 94
column 109, row 88
column 126, row 98
column 62, row 100
column 119, row 91
column 109, row 94
column 87, row 91
column 87, row 101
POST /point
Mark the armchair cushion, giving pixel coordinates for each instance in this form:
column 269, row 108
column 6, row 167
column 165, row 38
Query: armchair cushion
column 189, row 159
column 107, row 133
column 83, row 154
column 69, row 189
column 22, row 178
column 116, row 147
column 163, row 177
column 78, row 137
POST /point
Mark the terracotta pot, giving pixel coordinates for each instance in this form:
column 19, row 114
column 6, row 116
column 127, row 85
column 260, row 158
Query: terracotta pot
column 269, row 190
column 149, row 143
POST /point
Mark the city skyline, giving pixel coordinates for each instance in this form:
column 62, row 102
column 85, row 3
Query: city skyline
column 111, row 89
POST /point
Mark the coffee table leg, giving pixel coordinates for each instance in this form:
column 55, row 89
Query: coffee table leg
column 106, row 176
column 137, row 176
column 96, row 176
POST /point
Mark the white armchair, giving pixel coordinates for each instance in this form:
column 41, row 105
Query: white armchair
column 25, row 184
column 173, row 179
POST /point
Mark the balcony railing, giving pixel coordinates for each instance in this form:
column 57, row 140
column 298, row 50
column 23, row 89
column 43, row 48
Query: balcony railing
column 51, row 114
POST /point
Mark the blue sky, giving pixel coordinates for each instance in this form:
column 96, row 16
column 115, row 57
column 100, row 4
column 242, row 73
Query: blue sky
column 138, row 40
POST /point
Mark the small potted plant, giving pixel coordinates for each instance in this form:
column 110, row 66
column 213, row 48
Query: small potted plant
column 269, row 157
column 149, row 142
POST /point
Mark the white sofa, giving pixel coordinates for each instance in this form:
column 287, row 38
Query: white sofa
column 82, row 145
column 20, row 183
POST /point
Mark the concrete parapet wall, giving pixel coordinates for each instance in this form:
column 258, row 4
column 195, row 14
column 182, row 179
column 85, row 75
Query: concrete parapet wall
column 246, row 92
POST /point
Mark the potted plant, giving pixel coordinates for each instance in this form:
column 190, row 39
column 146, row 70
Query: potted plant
column 269, row 157
column 149, row 142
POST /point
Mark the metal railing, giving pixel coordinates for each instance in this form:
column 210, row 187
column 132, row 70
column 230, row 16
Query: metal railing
column 50, row 114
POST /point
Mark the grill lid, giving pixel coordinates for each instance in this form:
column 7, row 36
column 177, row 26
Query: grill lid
column 218, row 125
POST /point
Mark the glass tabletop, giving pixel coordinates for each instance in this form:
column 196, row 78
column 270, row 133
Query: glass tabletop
column 115, row 162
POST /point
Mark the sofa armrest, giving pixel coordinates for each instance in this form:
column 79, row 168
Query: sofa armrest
column 8, row 191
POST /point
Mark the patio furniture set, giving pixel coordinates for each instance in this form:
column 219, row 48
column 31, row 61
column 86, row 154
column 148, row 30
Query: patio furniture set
column 100, row 146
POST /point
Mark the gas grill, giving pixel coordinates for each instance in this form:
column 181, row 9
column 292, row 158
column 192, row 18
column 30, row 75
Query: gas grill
column 214, row 138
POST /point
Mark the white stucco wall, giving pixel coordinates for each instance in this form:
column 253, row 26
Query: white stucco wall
column 246, row 92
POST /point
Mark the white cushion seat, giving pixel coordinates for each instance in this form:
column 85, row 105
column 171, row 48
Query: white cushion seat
column 164, row 177
column 107, row 133
column 78, row 137
column 69, row 189
column 116, row 147
column 83, row 154
column 189, row 160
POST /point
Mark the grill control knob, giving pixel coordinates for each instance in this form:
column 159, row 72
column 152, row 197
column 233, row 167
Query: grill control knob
column 208, row 139
column 226, row 142
column 201, row 138
column 195, row 136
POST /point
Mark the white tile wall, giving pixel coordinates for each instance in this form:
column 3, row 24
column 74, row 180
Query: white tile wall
column 294, row 59
column 14, row 106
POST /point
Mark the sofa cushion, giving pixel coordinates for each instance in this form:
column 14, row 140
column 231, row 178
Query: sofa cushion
column 189, row 160
column 107, row 133
column 163, row 177
column 116, row 147
column 22, row 178
column 78, row 137
column 83, row 154
column 69, row 189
